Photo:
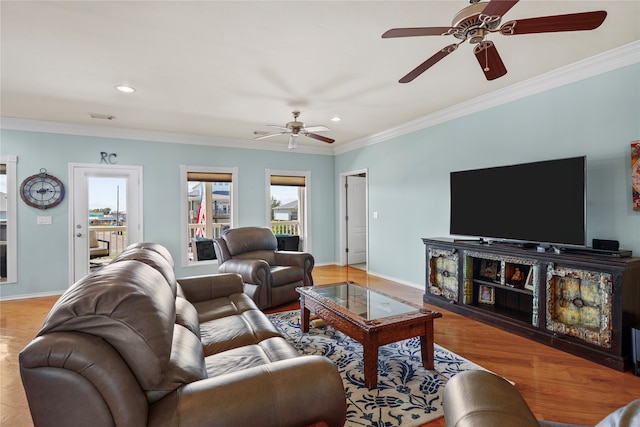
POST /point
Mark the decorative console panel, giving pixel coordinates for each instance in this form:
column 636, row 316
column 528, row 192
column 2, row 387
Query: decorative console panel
column 578, row 303
column 443, row 273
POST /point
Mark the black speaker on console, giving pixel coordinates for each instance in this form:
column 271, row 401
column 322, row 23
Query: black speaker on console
column 635, row 349
column 607, row 245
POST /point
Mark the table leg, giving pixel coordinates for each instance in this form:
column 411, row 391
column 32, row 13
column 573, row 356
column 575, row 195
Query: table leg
column 305, row 314
column 426, row 345
column 370, row 356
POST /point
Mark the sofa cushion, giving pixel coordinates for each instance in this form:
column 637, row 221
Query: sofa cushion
column 187, row 316
column 185, row 366
column 285, row 275
column 224, row 306
column 249, row 356
column 229, row 332
column 127, row 305
column 268, row 256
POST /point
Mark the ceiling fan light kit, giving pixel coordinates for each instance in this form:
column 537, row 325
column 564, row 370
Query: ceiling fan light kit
column 476, row 21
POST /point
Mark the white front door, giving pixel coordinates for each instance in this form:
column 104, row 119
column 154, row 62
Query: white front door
column 94, row 191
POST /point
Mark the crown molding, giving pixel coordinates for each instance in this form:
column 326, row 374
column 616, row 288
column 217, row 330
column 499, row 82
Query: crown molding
column 29, row 125
column 614, row 59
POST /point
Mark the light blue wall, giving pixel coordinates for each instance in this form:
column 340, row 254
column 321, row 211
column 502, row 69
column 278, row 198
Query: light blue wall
column 43, row 249
column 409, row 175
column 408, row 178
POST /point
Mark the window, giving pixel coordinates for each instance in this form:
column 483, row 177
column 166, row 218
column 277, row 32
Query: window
column 8, row 227
column 208, row 199
column 288, row 205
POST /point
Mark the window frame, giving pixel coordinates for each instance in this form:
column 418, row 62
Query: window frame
column 184, row 201
column 306, row 237
column 12, row 216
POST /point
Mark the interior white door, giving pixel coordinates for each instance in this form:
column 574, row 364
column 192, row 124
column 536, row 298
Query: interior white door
column 86, row 177
column 357, row 219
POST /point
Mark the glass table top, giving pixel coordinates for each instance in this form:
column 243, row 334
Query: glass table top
column 364, row 302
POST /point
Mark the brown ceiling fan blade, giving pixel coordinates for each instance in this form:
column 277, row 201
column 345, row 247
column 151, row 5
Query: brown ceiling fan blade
column 320, row 138
column 428, row 63
column 498, row 7
column 552, row 24
column 414, row 32
column 489, row 59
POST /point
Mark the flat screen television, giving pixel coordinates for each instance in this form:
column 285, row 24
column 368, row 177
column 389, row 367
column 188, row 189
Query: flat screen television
column 541, row 202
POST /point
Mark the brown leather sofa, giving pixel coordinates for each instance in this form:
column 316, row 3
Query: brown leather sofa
column 270, row 276
column 129, row 345
column 482, row 399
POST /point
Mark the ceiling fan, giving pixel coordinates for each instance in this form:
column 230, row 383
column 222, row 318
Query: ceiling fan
column 293, row 129
column 481, row 18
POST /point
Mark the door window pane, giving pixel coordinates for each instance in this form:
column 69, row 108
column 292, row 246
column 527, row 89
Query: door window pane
column 107, row 219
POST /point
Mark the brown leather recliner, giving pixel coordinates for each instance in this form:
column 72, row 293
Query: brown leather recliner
column 479, row 398
column 270, row 276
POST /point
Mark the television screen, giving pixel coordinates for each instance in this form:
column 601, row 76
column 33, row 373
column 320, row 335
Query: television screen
column 540, row 202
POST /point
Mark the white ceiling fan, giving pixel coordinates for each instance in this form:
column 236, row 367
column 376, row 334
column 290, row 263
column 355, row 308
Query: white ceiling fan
column 293, row 129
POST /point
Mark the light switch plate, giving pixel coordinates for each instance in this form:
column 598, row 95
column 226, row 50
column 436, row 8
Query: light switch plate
column 44, row 220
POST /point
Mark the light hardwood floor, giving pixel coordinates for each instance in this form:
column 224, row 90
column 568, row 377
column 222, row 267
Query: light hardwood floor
column 556, row 385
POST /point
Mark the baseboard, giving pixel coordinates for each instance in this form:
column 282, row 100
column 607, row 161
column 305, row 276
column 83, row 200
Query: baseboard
column 30, row 296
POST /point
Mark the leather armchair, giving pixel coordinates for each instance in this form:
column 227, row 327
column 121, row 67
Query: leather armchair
column 482, row 399
column 270, row 276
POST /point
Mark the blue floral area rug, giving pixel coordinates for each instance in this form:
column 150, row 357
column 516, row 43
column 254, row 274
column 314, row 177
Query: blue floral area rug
column 408, row 395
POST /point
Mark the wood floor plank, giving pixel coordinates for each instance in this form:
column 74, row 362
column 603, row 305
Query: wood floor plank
column 556, row 385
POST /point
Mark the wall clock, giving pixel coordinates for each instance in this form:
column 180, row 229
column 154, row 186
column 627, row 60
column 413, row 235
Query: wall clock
column 42, row 191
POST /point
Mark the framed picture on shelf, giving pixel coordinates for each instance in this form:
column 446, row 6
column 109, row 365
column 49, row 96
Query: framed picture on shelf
column 489, row 269
column 529, row 283
column 486, row 294
column 519, row 276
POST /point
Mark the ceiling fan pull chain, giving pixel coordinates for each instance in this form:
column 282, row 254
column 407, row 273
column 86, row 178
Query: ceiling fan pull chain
column 486, row 59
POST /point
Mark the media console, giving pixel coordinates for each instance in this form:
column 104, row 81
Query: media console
column 580, row 303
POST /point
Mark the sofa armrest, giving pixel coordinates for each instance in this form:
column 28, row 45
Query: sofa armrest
column 479, row 398
column 272, row 395
column 255, row 271
column 60, row 369
column 211, row 286
column 303, row 260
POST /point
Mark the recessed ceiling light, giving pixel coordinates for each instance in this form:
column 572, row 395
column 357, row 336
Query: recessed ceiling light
column 125, row 89
column 336, row 119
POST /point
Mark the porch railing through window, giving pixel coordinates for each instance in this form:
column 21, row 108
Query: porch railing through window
column 286, row 227
column 116, row 235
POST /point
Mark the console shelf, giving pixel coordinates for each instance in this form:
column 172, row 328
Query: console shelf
column 582, row 304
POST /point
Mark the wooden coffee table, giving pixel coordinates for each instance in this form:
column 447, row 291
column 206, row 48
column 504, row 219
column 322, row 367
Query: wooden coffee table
column 371, row 318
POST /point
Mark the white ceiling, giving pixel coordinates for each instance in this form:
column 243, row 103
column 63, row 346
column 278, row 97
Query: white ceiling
column 227, row 68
